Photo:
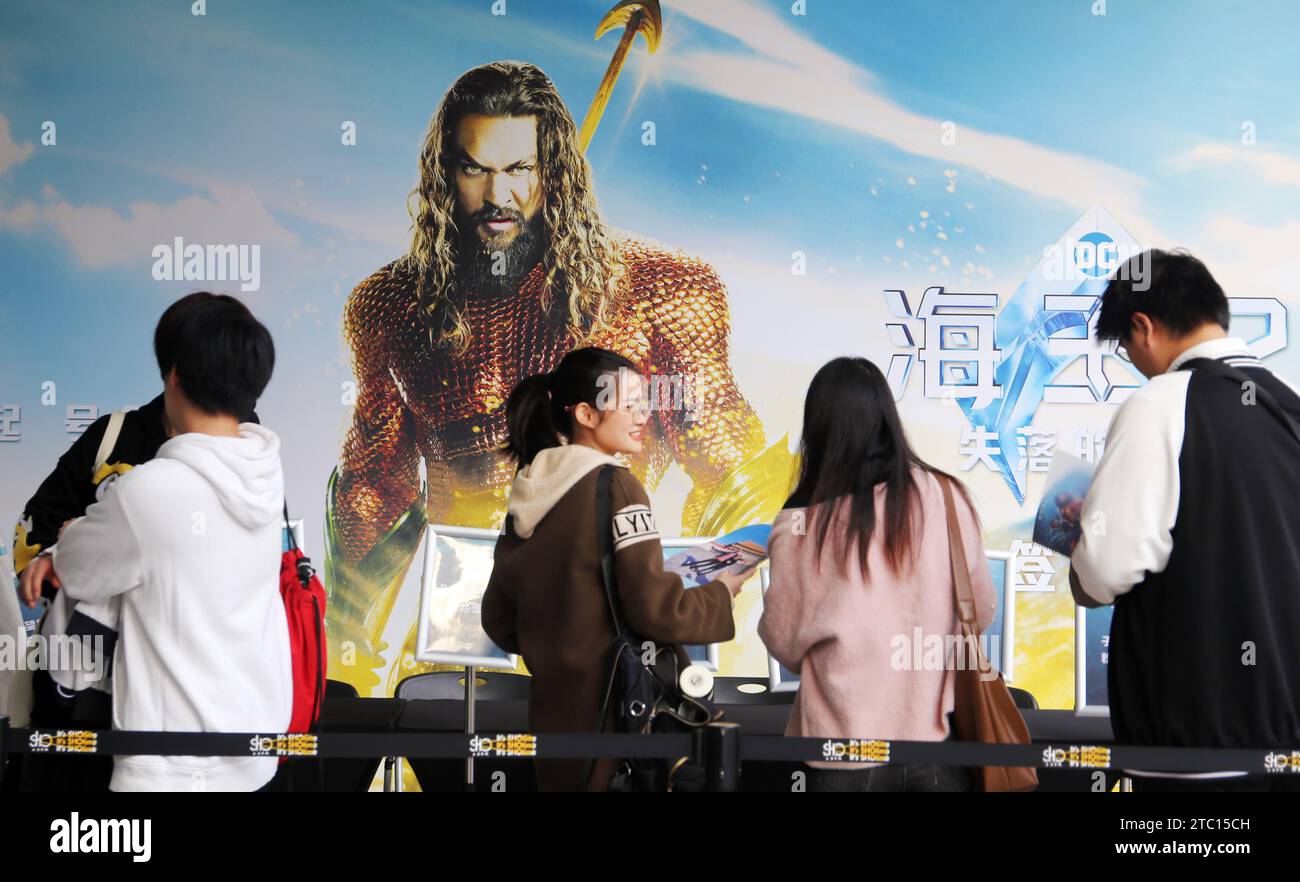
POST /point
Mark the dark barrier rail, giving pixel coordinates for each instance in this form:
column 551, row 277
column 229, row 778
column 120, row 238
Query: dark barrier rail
column 567, row 745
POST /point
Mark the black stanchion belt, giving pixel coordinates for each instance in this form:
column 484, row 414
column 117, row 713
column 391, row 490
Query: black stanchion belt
column 571, row 745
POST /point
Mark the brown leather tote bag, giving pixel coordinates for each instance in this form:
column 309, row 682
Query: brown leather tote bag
column 984, row 710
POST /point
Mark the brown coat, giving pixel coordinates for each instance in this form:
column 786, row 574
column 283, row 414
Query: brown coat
column 545, row 601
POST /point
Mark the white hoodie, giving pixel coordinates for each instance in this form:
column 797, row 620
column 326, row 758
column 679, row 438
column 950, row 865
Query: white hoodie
column 544, row 481
column 191, row 542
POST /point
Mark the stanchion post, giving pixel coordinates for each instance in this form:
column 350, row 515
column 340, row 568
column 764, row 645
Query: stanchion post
column 723, row 752
column 470, row 676
column 4, row 746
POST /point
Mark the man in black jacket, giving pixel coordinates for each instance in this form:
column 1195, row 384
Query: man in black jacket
column 1191, row 529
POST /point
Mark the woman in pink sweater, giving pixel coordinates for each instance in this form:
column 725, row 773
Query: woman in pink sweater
column 861, row 598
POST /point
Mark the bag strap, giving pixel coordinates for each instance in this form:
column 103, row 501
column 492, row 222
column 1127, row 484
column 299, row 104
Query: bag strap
column 288, row 528
column 305, row 574
column 1223, row 369
column 605, row 543
column 957, row 552
column 109, row 441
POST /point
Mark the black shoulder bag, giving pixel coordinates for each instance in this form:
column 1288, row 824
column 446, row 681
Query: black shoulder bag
column 642, row 683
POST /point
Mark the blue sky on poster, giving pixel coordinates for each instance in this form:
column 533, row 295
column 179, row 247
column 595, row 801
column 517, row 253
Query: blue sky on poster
column 775, row 133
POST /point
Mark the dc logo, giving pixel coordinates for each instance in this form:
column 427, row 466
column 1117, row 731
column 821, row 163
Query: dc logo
column 1096, row 255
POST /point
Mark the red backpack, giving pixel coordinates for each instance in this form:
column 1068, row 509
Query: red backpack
column 304, row 608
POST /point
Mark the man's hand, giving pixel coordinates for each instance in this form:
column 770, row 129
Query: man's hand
column 33, row 575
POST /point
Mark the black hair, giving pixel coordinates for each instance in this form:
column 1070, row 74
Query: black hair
column 1171, row 286
column 223, row 356
column 853, row 441
column 539, row 409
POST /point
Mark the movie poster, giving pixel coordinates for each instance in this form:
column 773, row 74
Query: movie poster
column 730, row 192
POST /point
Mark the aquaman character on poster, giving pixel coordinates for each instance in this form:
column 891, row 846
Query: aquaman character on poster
column 511, row 266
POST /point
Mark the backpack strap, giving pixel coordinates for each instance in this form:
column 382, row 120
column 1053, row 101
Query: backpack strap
column 288, row 528
column 1223, row 369
column 605, row 543
column 108, row 442
column 305, row 573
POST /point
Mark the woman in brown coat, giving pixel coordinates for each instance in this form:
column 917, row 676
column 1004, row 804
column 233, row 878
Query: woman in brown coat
column 545, row 599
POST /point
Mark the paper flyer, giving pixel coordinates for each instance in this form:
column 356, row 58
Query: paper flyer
column 736, row 551
column 1058, row 524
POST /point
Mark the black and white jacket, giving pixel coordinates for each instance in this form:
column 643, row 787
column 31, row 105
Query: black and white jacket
column 1192, row 530
column 83, row 696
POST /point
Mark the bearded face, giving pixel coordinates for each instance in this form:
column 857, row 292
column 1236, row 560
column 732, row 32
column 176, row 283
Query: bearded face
column 498, row 202
column 492, row 268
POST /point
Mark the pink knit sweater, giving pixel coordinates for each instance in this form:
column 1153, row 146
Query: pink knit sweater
column 865, row 670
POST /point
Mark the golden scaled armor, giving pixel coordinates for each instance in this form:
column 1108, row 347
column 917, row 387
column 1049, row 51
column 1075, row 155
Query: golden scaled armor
column 416, row 403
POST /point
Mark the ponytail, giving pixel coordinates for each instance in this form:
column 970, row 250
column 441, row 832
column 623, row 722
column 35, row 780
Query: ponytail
column 539, row 410
column 530, row 420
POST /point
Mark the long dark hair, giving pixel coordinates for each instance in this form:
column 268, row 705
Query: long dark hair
column 539, row 410
column 853, row 440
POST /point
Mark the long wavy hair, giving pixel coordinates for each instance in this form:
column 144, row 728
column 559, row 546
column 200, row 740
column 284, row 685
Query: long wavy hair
column 581, row 263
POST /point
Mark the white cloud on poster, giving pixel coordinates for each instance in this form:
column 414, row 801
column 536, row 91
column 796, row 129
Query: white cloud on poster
column 101, row 237
column 1250, row 260
column 1276, row 168
column 11, row 152
column 786, row 71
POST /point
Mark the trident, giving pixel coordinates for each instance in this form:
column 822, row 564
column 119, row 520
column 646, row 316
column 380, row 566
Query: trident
column 637, row 16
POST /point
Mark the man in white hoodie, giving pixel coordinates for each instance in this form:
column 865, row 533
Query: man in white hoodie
column 188, row 545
